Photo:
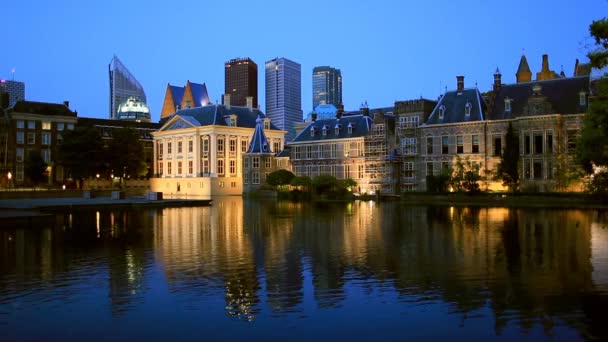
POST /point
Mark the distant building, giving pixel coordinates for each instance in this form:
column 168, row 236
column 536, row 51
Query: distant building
column 192, row 95
column 122, row 86
column 241, row 80
column 326, row 86
column 133, row 110
column 15, row 90
column 37, row 127
column 198, row 151
column 283, row 94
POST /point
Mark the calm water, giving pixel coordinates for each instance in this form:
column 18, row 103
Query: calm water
column 263, row 269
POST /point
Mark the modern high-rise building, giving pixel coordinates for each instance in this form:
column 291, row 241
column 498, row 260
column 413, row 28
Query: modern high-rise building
column 122, row 86
column 15, row 90
column 241, row 80
column 283, row 94
column 326, row 86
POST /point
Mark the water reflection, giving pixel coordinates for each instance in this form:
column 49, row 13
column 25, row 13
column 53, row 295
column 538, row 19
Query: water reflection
column 529, row 269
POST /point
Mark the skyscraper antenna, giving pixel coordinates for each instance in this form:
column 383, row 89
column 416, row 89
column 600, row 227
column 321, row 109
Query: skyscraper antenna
column 13, row 74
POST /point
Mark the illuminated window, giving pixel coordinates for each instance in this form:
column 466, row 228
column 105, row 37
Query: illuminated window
column 45, row 138
column 46, row 126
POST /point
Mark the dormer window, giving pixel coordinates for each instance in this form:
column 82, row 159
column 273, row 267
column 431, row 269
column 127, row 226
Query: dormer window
column 230, row 120
column 441, row 112
column 312, row 131
column 266, row 123
column 350, row 128
column 324, row 130
column 467, row 110
column 337, row 128
column 265, row 147
column 507, row 104
column 582, row 98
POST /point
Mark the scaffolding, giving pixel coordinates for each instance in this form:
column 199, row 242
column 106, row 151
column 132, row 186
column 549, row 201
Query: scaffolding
column 376, row 163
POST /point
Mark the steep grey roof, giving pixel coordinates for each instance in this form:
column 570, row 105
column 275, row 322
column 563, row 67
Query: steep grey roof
column 454, row 106
column 217, row 114
column 45, row 108
column 199, row 94
column 360, row 127
column 561, row 93
column 259, row 143
column 177, row 93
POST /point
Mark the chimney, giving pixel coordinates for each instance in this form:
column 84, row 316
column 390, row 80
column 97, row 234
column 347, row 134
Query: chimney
column 340, row 111
column 249, row 100
column 66, row 103
column 497, row 80
column 313, row 116
column 545, row 63
column 226, row 100
column 460, row 83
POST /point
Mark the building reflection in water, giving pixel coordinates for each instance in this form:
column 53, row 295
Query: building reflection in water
column 531, row 268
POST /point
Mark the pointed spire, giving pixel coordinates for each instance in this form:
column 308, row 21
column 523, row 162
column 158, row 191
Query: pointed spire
column 523, row 71
column 259, row 142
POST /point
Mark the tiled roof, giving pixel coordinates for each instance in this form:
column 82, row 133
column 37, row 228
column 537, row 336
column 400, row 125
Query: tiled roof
column 177, row 93
column 360, row 127
column 562, row 94
column 259, row 143
column 217, row 114
column 44, row 108
column 454, row 104
column 199, row 94
column 523, row 65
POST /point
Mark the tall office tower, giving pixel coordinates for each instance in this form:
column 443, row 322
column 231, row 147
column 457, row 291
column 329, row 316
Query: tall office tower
column 122, row 86
column 15, row 90
column 283, row 94
column 241, row 80
column 326, row 86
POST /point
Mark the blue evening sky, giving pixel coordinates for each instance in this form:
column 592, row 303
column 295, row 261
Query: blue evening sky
column 387, row 49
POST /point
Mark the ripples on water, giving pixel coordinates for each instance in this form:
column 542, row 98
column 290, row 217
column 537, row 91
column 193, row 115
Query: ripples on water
column 281, row 269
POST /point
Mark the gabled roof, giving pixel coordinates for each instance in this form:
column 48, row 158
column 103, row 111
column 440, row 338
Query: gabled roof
column 199, row 94
column 454, row 104
column 217, row 114
column 45, row 108
column 360, row 127
column 562, row 94
column 259, row 142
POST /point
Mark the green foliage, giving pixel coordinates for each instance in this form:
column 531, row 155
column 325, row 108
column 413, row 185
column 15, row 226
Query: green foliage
column 599, row 31
column 348, row 183
column 508, row 170
column 126, row 153
column 599, row 183
column 301, row 181
column 280, row 178
column 82, row 153
column 438, row 183
column 592, row 147
column 35, row 167
column 324, row 183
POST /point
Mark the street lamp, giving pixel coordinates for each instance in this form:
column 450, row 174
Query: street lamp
column 97, row 175
column 10, row 176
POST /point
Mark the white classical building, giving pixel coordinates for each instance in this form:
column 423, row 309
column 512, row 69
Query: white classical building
column 198, row 151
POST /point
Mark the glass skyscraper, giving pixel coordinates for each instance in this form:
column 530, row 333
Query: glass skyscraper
column 283, row 94
column 241, row 80
column 326, row 86
column 122, row 86
column 15, row 90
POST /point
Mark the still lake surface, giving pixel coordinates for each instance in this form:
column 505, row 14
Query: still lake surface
column 363, row 270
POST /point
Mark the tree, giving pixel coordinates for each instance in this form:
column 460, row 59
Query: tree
column 592, row 147
column 35, row 167
column 301, row 181
column 82, row 153
column 280, row 178
column 126, row 153
column 324, row 184
column 508, row 170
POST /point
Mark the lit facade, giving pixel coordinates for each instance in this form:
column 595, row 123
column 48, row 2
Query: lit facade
column 37, row 127
column 198, row 151
column 122, row 86
column 326, row 86
column 283, row 94
column 133, row 110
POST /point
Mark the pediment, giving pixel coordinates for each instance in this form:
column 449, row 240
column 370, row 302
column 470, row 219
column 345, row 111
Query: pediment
column 177, row 123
